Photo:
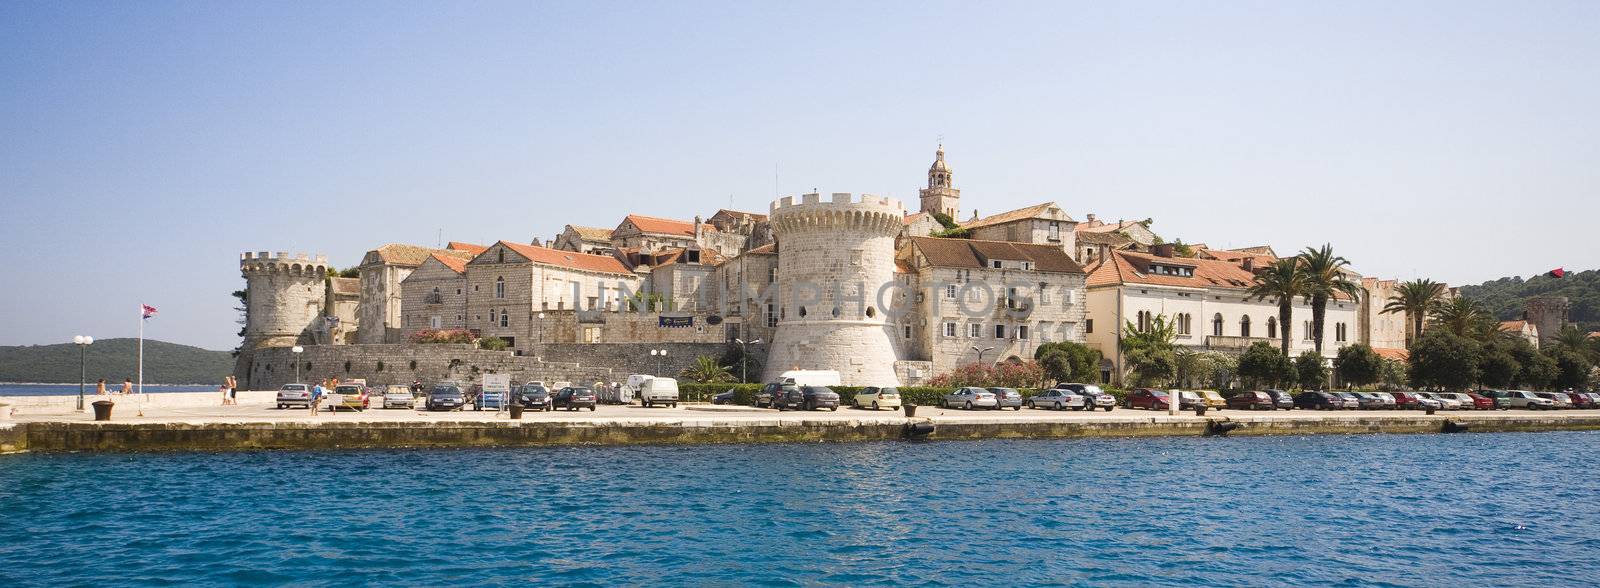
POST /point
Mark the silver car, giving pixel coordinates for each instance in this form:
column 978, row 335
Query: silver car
column 1007, row 398
column 969, row 398
column 1557, row 400
column 1096, row 397
column 1058, row 399
column 294, row 395
column 1526, row 399
column 1444, row 403
column 398, row 396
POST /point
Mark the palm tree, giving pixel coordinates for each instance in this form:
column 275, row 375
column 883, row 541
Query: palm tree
column 1461, row 316
column 1414, row 298
column 1325, row 279
column 707, row 369
column 1572, row 339
column 1282, row 281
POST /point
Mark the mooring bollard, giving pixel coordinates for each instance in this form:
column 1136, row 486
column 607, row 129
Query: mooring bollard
column 102, row 410
column 911, row 409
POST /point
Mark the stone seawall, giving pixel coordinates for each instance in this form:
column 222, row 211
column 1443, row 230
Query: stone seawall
column 215, row 436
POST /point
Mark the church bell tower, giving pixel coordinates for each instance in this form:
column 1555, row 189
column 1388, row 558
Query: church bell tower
column 940, row 196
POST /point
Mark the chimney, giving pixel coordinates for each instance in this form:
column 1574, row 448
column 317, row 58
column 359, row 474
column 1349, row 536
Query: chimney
column 1090, row 222
column 974, row 214
column 1249, row 264
column 697, row 228
column 1163, row 250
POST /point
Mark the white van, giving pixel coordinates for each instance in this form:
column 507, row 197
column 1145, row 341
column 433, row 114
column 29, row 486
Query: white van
column 629, row 390
column 810, row 377
column 659, row 391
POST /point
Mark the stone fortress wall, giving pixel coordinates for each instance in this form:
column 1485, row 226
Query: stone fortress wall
column 835, row 256
column 287, row 296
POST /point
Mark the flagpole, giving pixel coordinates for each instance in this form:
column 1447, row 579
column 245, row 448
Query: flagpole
column 141, row 348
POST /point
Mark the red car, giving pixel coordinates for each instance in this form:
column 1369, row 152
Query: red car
column 1581, row 400
column 1405, row 400
column 1252, row 400
column 1157, row 400
column 1481, row 402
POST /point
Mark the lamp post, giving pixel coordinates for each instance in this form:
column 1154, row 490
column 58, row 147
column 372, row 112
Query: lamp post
column 981, row 352
column 660, row 355
column 297, row 351
column 744, row 362
column 83, row 342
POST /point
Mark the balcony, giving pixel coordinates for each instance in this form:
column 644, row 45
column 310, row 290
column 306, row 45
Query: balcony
column 1234, row 343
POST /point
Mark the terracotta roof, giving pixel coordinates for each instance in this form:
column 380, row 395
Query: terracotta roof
column 591, row 233
column 412, row 255
column 1035, row 211
column 1259, row 249
column 1512, row 325
column 674, row 255
column 665, row 226
column 346, row 286
column 768, row 249
column 972, row 253
column 1128, row 267
column 472, row 248
column 1112, row 239
column 1392, row 353
column 1101, row 227
column 568, row 259
column 1236, row 256
column 456, row 264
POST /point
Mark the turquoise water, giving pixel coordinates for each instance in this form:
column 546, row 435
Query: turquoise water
column 1422, row 510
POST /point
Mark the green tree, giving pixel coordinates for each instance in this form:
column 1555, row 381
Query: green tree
column 707, row 369
column 244, row 317
column 1497, row 368
column 1536, row 370
column 493, row 344
column 1573, row 339
column 1414, row 298
column 1393, row 374
column 1069, row 361
column 1461, row 316
column 1261, row 365
column 1326, row 276
column 1358, row 364
column 1312, row 374
column 1572, row 369
column 1282, row 281
column 945, row 220
column 1147, row 354
column 1443, row 359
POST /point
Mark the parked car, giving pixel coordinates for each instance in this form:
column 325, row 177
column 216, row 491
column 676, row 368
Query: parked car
column 1212, row 399
column 534, row 397
column 1501, row 400
column 765, row 397
column 969, row 398
column 723, row 397
column 1284, row 399
column 1444, row 403
column 1595, row 397
column 1481, row 402
column 397, row 396
column 1351, row 401
column 446, row 397
column 1058, row 399
column 1315, row 400
column 294, row 395
column 574, row 398
column 1252, row 400
column 1007, row 398
column 1580, row 400
column 1557, row 399
column 807, row 398
column 876, row 398
column 1157, row 399
column 351, row 396
column 1094, row 397
column 1406, row 400
column 1366, row 401
column 1526, row 399
column 658, row 391
column 1466, row 402
column 1388, row 400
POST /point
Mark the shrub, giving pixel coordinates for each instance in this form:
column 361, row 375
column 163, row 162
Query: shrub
column 493, row 344
column 1025, row 374
column 442, row 336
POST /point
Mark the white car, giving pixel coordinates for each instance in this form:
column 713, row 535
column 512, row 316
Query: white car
column 1444, row 403
column 971, row 397
column 1058, row 399
column 1461, row 399
column 1557, row 400
column 875, row 398
column 1526, row 399
column 398, row 396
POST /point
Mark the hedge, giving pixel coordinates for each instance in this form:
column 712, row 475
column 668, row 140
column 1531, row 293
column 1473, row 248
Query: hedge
column 918, row 395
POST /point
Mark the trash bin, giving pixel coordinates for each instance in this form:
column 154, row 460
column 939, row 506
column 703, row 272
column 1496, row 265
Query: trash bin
column 102, row 410
column 516, row 410
column 1200, row 410
column 911, row 409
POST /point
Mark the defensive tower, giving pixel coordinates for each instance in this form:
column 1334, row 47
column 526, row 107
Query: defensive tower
column 834, row 257
column 1549, row 314
column 285, row 297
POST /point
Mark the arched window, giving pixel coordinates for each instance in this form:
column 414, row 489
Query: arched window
column 1244, row 326
column 500, row 287
column 1216, row 325
column 1144, row 321
column 1272, row 327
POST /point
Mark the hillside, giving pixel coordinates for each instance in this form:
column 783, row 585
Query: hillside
column 1504, row 297
column 115, row 359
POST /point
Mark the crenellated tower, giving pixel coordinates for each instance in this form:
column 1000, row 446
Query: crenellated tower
column 834, row 257
column 285, row 297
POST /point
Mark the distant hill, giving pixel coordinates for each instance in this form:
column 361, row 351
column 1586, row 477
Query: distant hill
column 1505, row 296
column 115, row 359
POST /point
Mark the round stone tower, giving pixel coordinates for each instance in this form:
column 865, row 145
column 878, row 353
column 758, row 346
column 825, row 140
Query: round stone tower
column 286, row 296
column 1549, row 314
column 833, row 259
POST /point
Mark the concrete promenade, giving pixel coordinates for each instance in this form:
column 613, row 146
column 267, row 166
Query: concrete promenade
column 199, row 422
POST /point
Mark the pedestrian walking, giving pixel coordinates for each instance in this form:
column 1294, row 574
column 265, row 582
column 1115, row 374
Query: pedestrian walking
column 316, row 397
column 233, row 389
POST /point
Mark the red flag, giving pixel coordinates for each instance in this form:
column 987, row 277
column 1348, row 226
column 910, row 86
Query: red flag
column 1556, row 273
column 149, row 311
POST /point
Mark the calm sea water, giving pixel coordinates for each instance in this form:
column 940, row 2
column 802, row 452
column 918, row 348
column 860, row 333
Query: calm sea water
column 72, row 389
column 1424, row 510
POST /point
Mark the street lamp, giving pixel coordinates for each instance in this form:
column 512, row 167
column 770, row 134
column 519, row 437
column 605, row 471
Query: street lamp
column 744, row 362
column 981, row 352
column 660, row 355
column 297, row 351
column 83, row 342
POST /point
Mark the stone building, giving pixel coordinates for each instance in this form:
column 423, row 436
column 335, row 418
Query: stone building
column 595, row 240
column 746, row 294
column 990, row 299
column 1205, row 300
column 648, row 233
column 382, row 271
column 921, row 224
column 509, row 283
column 1548, row 314
column 434, row 296
column 1523, row 330
column 835, row 257
column 286, row 298
column 1044, row 224
column 340, row 313
column 1379, row 330
column 941, row 195
column 1092, row 247
column 1138, row 231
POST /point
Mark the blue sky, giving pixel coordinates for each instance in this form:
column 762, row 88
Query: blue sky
column 145, row 145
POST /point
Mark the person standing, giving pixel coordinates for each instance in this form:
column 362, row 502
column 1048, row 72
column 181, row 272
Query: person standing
column 100, row 387
column 233, row 389
column 127, row 386
column 316, row 397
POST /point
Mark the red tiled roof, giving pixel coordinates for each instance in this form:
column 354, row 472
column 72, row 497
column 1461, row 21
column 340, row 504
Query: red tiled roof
column 674, row 255
column 592, row 233
column 1392, row 353
column 456, row 264
column 472, row 248
column 1260, row 259
column 767, row 249
column 1128, row 267
column 664, row 226
column 568, row 259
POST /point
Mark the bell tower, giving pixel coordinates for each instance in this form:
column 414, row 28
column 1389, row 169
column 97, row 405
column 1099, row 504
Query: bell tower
column 940, row 195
